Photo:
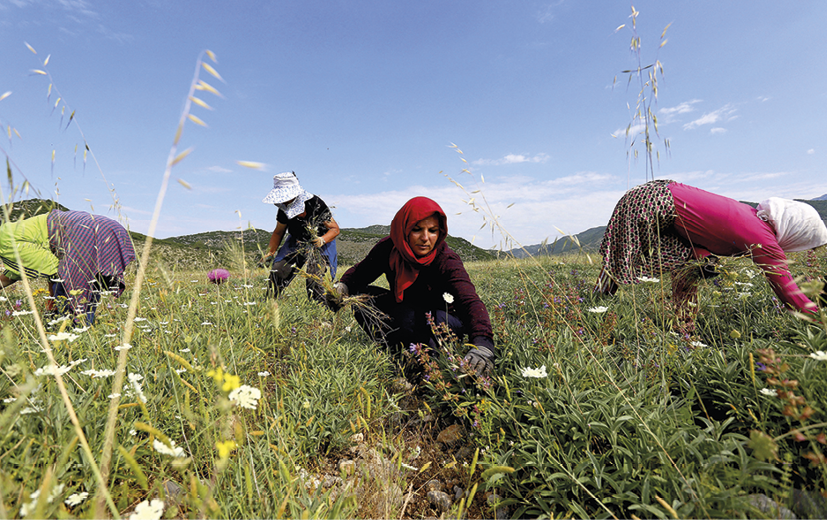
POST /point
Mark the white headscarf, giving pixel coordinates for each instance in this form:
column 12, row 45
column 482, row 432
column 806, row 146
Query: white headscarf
column 798, row 226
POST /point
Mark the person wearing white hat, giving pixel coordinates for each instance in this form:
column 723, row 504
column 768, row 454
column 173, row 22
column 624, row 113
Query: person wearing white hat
column 311, row 239
column 665, row 226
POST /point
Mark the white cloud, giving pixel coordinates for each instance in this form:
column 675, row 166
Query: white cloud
column 513, row 159
column 546, row 14
column 629, row 131
column 717, row 130
column 683, row 108
column 725, row 113
column 811, row 151
column 219, row 169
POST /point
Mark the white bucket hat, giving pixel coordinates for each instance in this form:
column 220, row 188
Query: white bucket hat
column 285, row 187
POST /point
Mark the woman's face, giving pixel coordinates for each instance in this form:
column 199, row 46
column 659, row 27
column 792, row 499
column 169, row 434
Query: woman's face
column 423, row 236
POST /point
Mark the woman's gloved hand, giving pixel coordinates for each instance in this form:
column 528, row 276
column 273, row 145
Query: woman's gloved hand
column 334, row 300
column 480, row 360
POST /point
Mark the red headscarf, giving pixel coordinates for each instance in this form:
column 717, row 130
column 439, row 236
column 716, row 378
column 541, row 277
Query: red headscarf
column 404, row 263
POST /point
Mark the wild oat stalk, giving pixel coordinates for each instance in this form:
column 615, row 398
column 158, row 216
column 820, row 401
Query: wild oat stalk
column 643, row 119
column 173, row 159
column 60, row 102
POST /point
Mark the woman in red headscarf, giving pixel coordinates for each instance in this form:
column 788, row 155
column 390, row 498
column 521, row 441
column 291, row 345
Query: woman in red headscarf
column 426, row 277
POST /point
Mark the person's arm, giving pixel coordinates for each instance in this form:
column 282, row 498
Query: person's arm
column 472, row 312
column 469, row 307
column 5, row 281
column 773, row 261
column 358, row 277
column 275, row 240
column 332, row 233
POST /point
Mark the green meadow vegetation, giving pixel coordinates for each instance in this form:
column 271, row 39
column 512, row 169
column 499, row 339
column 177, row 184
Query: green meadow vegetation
column 596, row 409
column 188, row 399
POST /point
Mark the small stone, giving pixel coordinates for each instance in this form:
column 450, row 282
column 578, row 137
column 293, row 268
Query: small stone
column 173, row 491
column 770, row 507
column 433, row 485
column 458, row 492
column 439, row 500
column 500, row 512
column 391, row 498
column 329, row 481
column 356, row 438
column 450, row 435
column 347, row 467
column 808, row 504
column 401, row 386
column 466, row 452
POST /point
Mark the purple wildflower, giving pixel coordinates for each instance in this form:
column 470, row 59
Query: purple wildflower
column 218, row 276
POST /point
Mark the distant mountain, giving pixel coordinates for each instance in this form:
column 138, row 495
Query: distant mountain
column 823, row 197
column 353, row 244
column 588, row 242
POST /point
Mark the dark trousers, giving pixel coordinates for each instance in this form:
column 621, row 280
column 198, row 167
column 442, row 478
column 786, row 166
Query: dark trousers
column 62, row 296
column 402, row 324
column 283, row 271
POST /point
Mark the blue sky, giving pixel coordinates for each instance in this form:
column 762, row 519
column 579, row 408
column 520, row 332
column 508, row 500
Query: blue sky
column 363, row 99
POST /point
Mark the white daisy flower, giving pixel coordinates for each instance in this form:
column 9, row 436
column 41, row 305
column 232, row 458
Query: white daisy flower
column 646, row 279
column 172, row 450
column 819, row 355
column 534, row 372
column 147, row 510
column 76, row 499
column 61, row 336
column 245, row 396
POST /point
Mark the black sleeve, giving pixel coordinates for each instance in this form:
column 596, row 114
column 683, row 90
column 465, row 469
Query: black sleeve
column 281, row 217
column 375, row 264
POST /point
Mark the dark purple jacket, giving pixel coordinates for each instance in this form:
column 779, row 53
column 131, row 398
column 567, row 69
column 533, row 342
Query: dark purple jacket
column 446, row 274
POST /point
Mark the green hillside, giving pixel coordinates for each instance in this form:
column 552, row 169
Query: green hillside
column 353, row 244
column 30, row 208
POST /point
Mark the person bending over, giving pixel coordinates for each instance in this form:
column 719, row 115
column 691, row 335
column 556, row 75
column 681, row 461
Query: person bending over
column 665, row 226
column 79, row 254
column 311, row 239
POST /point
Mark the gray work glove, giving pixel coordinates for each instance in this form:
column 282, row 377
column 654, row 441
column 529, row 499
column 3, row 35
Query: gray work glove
column 480, row 360
column 335, row 301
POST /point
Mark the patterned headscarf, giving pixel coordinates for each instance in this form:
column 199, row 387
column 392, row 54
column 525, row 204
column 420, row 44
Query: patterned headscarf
column 296, row 207
column 403, row 262
column 798, row 226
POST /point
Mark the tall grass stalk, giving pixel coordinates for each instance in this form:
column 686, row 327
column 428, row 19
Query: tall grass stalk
column 173, row 159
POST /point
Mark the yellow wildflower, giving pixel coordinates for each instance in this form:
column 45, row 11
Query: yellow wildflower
column 225, row 448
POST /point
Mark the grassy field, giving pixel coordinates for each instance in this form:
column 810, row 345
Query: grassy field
column 237, row 406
